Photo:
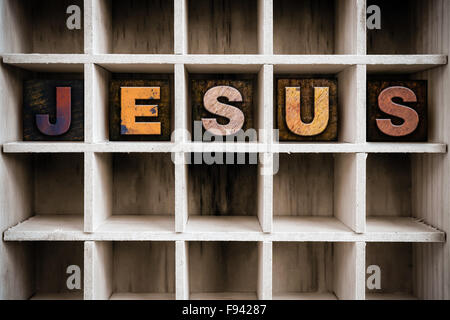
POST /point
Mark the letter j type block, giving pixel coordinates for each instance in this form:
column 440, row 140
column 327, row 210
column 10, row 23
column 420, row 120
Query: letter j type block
column 53, row 110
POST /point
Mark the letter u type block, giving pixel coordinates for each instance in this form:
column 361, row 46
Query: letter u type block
column 140, row 110
column 396, row 111
column 307, row 109
column 53, row 110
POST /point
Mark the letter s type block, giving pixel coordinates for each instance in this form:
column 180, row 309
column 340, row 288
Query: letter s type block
column 140, row 110
column 397, row 111
column 223, row 104
column 307, row 109
column 53, row 110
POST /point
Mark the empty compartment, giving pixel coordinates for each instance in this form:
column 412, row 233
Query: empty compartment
column 303, row 271
column 223, row 197
column 392, row 270
column 389, row 184
column 140, row 26
column 142, row 270
column 315, row 191
column 397, row 189
column 41, row 26
column 223, row 27
column 135, row 192
column 304, row 185
column 143, row 184
column 304, row 26
column 49, row 187
column 407, row 27
column 316, row 270
column 51, row 270
column 223, row 270
column 58, row 184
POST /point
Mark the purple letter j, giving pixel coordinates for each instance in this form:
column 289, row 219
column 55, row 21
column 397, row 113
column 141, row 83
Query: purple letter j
column 63, row 114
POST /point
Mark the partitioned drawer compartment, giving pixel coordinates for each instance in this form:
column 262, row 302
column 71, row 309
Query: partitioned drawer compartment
column 222, row 26
column 52, row 270
column 303, row 270
column 305, row 185
column 313, row 190
column 313, row 270
column 143, row 184
column 223, row 197
column 51, row 185
column 389, row 184
column 405, row 27
column 395, row 269
column 142, row 270
column 223, row 270
column 135, row 192
column 396, row 184
column 140, row 26
column 304, row 26
column 40, row 26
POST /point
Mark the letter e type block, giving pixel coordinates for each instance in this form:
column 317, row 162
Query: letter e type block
column 53, row 110
column 307, row 109
column 140, row 110
column 223, row 104
column 397, row 111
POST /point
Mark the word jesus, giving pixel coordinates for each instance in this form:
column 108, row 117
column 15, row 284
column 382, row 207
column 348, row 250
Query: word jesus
column 306, row 109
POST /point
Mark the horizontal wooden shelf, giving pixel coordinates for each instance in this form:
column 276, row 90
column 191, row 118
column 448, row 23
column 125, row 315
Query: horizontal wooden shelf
column 388, row 229
column 389, row 296
column 225, row 63
column 288, row 228
column 142, row 296
column 165, row 147
column 359, row 148
column 304, row 296
column 58, row 296
column 223, row 296
column 134, row 227
column 238, row 227
column 80, row 147
column 47, row 228
column 211, row 228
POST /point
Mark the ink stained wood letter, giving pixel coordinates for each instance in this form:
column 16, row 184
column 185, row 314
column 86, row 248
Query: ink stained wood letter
column 140, row 109
column 130, row 110
column 53, row 110
column 212, row 104
column 63, row 115
column 397, row 111
column 321, row 112
column 222, row 103
column 307, row 109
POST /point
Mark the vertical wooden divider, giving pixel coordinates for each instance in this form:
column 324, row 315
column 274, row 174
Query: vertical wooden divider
column 98, row 270
column 265, row 27
column 349, row 264
column 180, row 27
column 264, row 286
column 182, row 270
column 181, row 137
